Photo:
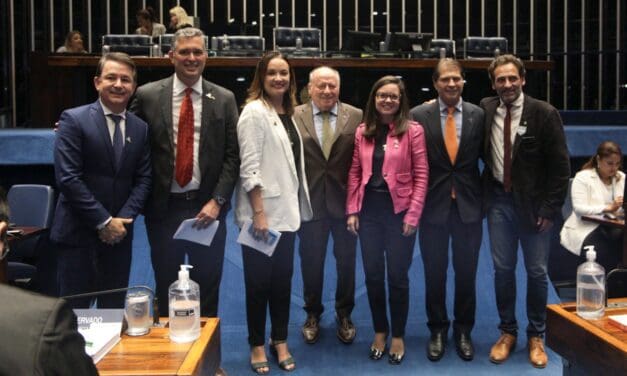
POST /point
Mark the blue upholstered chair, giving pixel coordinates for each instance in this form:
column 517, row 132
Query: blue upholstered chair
column 238, row 45
column 286, row 40
column 484, row 47
column 132, row 44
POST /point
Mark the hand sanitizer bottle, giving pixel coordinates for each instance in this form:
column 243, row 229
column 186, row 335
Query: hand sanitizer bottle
column 184, row 307
column 590, row 287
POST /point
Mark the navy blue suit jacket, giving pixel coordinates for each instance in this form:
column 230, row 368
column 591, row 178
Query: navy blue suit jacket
column 91, row 188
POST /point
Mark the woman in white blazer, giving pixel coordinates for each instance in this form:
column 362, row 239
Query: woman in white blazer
column 272, row 193
column 596, row 190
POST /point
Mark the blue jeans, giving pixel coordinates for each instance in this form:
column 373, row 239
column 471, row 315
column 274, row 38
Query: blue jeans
column 505, row 232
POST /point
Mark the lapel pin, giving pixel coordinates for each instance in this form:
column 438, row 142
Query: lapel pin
column 128, row 140
column 210, row 96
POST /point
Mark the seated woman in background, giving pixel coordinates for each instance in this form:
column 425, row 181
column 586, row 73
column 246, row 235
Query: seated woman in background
column 387, row 185
column 179, row 19
column 597, row 190
column 148, row 24
column 73, row 43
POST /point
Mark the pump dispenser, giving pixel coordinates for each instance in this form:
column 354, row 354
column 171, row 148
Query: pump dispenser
column 184, row 308
column 590, row 287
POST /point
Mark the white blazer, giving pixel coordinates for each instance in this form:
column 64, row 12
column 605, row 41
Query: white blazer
column 267, row 161
column 587, row 195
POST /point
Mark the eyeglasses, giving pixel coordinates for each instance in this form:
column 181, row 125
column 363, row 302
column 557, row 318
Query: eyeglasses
column 385, row 96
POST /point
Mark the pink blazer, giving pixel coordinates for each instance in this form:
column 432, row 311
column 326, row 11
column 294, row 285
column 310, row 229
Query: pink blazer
column 405, row 171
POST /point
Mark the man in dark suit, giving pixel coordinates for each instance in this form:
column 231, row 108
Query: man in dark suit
column 102, row 170
column 327, row 127
column 526, row 178
column 454, row 134
column 195, row 166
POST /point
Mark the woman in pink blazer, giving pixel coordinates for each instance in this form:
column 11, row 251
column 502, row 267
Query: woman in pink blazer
column 387, row 185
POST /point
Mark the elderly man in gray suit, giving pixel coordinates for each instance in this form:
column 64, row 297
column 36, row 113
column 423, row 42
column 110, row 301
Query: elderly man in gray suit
column 327, row 127
column 192, row 125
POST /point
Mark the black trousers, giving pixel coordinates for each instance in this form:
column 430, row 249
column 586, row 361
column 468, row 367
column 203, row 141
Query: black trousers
column 314, row 237
column 268, row 282
column 434, row 248
column 95, row 267
column 384, row 246
column 608, row 244
column 168, row 254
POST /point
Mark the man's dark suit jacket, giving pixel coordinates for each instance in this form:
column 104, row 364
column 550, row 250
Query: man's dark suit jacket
column 218, row 149
column 327, row 179
column 540, row 162
column 443, row 175
column 39, row 336
column 91, row 187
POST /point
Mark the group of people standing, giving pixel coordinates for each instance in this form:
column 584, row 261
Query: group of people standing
column 316, row 170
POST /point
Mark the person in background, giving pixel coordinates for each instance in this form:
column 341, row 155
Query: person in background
column 328, row 129
column 454, row 134
column 102, row 170
column 526, row 179
column 272, row 193
column 179, row 19
column 387, row 185
column 195, row 166
column 39, row 334
column 148, row 24
column 73, row 43
column 597, row 190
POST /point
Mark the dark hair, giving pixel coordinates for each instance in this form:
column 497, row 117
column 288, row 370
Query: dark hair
column 506, row 59
column 256, row 89
column 147, row 13
column 371, row 116
column 604, row 150
column 4, row 207
column 447, row 62
column 68, row 39
column 119, row 57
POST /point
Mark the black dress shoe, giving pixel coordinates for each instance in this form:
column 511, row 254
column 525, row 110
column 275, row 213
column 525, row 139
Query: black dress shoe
column 311, row 329
column 436, row 346
column 345, row 329
column 463, row 345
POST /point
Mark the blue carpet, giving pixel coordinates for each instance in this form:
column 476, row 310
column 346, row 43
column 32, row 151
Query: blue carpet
column 329, row 356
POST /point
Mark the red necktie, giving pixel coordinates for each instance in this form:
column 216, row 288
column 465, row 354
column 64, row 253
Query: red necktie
column 507, row 150
column 185, row 141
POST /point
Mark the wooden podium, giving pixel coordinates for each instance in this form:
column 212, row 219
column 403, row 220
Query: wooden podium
column 155, row 354
column 589, row 347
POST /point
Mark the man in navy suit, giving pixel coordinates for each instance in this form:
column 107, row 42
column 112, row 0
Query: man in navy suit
column 102, row 170
column 454, row 133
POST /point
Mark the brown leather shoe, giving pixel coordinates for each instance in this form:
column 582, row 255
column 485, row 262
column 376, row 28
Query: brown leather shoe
column 537, row 355
column 345, row 329
column 311, row 329
column 502, row 348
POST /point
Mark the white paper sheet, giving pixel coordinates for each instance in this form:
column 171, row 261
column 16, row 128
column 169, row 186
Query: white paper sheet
column 264, row 246
column 202, row 236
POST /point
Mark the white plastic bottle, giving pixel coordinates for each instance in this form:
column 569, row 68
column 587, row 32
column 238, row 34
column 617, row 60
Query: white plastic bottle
column 590, row 287
column 184, row 307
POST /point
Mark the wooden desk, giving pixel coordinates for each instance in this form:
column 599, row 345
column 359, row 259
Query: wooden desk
column 590, row 347
column 27, row 232
column 155, row 354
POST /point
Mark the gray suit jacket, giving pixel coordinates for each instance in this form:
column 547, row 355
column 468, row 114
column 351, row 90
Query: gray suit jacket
column 218, row 150
column 327, row 179
column 443, row 175
column 39, row 336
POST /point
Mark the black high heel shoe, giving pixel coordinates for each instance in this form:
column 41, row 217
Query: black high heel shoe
column 285, row 363
column 395, row 358
column 376, row 354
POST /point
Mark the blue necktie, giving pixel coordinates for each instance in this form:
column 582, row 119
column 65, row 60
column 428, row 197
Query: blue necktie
column 118, row 140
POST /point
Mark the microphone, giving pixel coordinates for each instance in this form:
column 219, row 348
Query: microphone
column 155, row 300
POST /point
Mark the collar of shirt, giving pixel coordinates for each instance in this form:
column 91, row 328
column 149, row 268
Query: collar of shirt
column 178, row 87
column 444, row 106
column 108, row 111
column 317, row 111
column 515, row 104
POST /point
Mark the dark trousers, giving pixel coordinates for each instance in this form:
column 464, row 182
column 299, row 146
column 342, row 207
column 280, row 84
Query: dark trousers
column 168, row 254
column 383, row 245
column 608, row 244
column 434, row 246
column 95, row 267
column 268, row 283
column 313, row 237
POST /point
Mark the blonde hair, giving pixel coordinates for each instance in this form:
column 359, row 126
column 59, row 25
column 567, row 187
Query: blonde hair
column 181, row 16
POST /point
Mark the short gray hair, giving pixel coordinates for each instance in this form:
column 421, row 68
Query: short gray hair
column 186, row 33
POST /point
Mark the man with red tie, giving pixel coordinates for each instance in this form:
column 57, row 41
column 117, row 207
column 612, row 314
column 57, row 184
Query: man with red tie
column 526, row 176
column 454, row 133
column 193, row 137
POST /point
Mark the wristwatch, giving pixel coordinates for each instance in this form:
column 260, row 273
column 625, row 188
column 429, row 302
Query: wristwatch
column 220, row 200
